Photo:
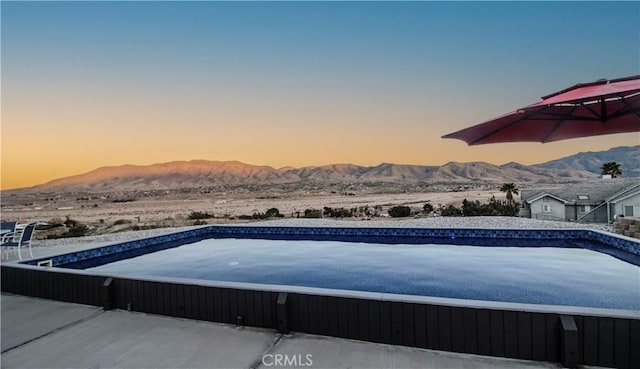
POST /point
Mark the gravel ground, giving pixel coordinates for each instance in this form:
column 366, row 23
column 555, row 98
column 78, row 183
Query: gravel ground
column 440, row 222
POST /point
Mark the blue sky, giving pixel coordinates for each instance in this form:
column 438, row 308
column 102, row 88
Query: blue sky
column 292, row 83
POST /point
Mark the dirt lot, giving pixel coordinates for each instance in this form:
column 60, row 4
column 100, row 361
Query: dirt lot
column 100, row 212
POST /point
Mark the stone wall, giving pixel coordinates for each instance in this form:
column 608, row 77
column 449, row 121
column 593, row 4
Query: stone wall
column 629, row 227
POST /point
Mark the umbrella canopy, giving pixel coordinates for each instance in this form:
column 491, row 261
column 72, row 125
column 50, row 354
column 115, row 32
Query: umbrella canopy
column 586, row 109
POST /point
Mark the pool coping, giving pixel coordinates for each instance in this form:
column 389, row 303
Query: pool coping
column 626, row 246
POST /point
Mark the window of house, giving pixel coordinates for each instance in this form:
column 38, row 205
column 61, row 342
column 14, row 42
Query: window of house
column 631, row 211
column 546, row 209
column 583, row 197
column 584, row 208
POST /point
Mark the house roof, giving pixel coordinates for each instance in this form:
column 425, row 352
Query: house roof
column 542, row 195
column 598, row 191
column 628, row 195
column 625, row 193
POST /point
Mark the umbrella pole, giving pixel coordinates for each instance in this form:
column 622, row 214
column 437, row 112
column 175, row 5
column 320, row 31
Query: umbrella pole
column 603, row 110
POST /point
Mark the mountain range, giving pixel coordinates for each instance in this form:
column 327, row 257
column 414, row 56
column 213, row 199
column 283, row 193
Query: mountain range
column 627, row 157
column 203, row 173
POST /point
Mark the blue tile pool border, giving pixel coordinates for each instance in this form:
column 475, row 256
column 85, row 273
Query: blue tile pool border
column 621, row 247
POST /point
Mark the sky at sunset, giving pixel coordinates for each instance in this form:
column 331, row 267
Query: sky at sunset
column 92, row 84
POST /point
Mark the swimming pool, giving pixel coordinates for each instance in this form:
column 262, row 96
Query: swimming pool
column 535, row 275
column 555, row 331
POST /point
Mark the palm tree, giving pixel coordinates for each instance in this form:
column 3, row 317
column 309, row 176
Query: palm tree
column 510, row 189
column 612, row 168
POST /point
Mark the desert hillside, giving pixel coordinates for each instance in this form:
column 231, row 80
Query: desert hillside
column 223, row 174
column 627, row 156
column 203, row 174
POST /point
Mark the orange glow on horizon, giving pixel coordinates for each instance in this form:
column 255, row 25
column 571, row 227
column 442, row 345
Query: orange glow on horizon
column 44, row 160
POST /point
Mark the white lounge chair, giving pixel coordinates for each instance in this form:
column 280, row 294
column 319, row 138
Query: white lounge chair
column 6, row 227
column 18, row 239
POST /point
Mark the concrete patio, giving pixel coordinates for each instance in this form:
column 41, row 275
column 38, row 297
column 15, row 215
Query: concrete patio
column 39, row 333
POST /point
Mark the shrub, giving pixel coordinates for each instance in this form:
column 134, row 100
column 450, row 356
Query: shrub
column 273, row 213
column 504, row 207
column 70, row 223
column 195, row 215
column 78, row 230
column 145, row 227
column 451, row 211
column 476, row 208
column 400, row 211
column 123, row 200
column 312, row 213
column 365, row 210
column 427, row 208
column 338, row 212
column 377, row 210
column 493, row 207
column 56, row 221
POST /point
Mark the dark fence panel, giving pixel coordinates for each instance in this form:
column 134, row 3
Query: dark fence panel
column 224, row 305
column 601, row 341
column 524, row 335
column 81, row 289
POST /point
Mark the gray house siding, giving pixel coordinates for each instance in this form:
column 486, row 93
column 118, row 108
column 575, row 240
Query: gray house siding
column 569, row 212
column 599, row 215
column 591, row 202
column 623, row 207
column 548, row 208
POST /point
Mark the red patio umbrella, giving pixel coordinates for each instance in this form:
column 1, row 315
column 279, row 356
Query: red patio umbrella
column 586, row 109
